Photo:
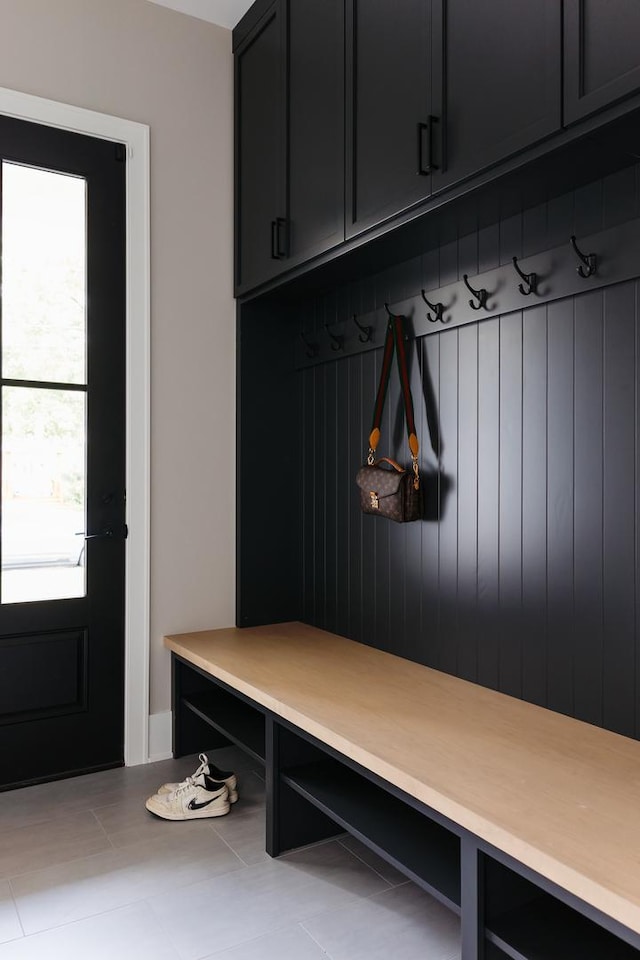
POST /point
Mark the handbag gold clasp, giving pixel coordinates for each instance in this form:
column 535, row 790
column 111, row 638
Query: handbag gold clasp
column 416, row 474
column 375, row 503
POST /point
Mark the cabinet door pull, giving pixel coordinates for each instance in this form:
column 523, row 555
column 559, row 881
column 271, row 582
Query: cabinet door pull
column 425, row 156
column 278, row 238
column 281, row 238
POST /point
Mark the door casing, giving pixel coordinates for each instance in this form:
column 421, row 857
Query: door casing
column 135, row 137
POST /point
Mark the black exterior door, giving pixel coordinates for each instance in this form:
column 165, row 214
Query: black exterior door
column 602, row 54
column 503, row 86
column 62, row 209
column 394, row 70
column 261, row 228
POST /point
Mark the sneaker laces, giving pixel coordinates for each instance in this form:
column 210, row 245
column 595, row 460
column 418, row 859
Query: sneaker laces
column 190, row 781
column 183, row 787
column 204, row 762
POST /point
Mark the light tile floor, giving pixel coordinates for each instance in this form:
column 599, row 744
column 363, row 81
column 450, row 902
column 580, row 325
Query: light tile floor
column 86, row 873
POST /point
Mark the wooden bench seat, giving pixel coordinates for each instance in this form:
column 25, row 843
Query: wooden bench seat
column 556, row 795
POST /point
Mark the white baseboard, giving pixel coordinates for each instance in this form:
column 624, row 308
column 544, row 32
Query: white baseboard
column 160, row 736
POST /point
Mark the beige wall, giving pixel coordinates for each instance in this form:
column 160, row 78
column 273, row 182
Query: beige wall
column 143, row 62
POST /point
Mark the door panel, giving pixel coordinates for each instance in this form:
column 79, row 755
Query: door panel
column 503, row 87
column 602, row 54
column 62, row 400
column 58, row 686
column 390, row 103
column 260, row 174
column 316, row 127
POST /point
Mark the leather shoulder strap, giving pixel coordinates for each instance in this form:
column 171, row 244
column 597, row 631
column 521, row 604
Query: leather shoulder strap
column 381, row 396
column 401, row 355
column 394, row 338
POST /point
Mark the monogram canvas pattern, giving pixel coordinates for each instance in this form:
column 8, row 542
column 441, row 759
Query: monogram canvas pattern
column 389, row 494
column 385, row 482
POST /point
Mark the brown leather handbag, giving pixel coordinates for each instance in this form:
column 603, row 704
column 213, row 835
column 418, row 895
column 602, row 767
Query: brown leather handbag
column 389, row 490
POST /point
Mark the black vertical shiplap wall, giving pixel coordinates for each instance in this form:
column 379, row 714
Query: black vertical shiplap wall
column 524, row 576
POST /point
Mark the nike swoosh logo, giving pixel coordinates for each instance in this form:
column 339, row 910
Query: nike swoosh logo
column 192, row 805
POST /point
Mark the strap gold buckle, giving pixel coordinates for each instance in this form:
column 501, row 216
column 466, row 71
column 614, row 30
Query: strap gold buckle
column 416, row 474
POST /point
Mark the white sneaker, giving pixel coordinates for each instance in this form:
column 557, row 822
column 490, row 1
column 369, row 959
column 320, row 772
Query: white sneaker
column 208, row 769
column 191, row 801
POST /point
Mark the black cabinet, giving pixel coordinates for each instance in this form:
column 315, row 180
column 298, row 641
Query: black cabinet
column 352, row 114
column 289, row 138
column 440, row 90
column 502, row 81
column 394, row 97
column 259, row 136
column 315, row 209
column 601, row 54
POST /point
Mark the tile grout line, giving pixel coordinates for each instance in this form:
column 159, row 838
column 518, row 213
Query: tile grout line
column 227, row 844
column 101, row 825
column 15, row 907
column 62, row 863
column 311, row 936
column 91, row 916
column 392, row 886
column 136, row 901
column 57, row 863
column 261, row 936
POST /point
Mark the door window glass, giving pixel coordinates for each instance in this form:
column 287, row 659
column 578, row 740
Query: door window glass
column 43, row 343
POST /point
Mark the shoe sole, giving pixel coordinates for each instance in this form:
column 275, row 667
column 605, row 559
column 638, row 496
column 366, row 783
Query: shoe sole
column 219, row 810
column 165, row 789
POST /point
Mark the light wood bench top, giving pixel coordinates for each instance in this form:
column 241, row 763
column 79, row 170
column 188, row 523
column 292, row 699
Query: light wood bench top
column 558, row 795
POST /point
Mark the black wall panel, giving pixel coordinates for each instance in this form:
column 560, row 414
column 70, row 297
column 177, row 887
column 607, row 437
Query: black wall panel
column 524, row 574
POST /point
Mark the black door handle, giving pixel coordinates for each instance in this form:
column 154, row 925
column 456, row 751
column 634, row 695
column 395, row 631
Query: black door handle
column 425, row 155
column 106, row 534
column 278, row 238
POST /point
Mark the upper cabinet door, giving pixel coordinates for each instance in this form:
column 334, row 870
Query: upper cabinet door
column 260, row 160
column 503, row 81
column 316, row 128
column 393, row 107
column 602, row 54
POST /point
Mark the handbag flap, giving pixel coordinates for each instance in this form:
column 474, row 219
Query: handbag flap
column 385, row 483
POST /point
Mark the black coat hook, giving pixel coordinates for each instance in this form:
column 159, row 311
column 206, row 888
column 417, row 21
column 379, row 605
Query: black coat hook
column 589, row 260
column 481, row 295
column 438, row 309
column 530, row 280
column 312, row 348
column 365, row 336
column 393, row 316
column 337, row 343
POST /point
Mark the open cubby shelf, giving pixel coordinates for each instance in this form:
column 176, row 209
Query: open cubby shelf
column 425, row 851
column 242, row 724
column 507, row 910
column 546, row 929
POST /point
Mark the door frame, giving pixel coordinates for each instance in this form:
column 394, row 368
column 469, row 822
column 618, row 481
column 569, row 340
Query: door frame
column 135, row 136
